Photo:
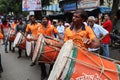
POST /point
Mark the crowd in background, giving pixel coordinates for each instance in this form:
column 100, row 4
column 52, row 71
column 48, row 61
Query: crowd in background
column 101, row 26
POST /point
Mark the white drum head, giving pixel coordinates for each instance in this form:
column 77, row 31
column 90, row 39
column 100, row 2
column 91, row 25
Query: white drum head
column 17, row 39
column 37, row 48
column 28, row 47
column 61, row 60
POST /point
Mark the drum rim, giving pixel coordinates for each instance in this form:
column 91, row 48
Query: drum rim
column 36, row 50
column 72, row 64
column 30, row 45
column 59, row 61
column 41, row 49
column 17, row 39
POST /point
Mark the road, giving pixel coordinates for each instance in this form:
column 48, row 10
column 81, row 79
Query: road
column 20, row 69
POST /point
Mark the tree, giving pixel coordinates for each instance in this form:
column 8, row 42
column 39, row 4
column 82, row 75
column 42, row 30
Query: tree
column 114, row 9
column 7, row 6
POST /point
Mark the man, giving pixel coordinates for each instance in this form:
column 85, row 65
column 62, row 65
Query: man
column 117, row 24
column 47, row 30
column 13, row 26
column 61, row 27
column 21, row 27
column 105, row 42
column 99, row 31
column 5, row 28
column 32, row 28
column 81, row 34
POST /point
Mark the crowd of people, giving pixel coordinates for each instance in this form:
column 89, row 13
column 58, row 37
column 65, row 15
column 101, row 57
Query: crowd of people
column 88, row 32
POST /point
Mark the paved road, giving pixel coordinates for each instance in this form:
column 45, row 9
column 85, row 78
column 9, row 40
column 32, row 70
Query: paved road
column 115, row 53
column 19, row 69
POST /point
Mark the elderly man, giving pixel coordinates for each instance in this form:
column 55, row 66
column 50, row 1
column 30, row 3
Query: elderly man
column 99, row 31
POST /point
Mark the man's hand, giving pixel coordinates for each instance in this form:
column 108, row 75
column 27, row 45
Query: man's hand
column 86, row 40
column 29, row 39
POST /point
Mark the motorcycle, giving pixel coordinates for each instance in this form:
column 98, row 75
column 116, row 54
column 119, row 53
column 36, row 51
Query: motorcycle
column 115, row 39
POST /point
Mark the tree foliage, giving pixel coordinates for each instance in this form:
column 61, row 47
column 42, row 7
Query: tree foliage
column 114, row 9
column 7, row 6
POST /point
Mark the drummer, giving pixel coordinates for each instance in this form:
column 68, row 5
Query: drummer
column 32, row 28
column 13, row 26
column 5, row 26
column 21, row 27
column 47, row 30
column 82, row 35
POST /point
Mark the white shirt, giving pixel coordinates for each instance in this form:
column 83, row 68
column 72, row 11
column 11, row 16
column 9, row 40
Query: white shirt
column 61, row 29
column 99, row 31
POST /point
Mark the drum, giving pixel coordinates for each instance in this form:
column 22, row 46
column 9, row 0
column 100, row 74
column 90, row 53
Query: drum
column 45, row 53
column 74, row 63
column 1, row 35
column 29, row 47
column 19, row 41
column 11, row 35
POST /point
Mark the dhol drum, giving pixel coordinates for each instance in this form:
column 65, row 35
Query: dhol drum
column 74, row 63
column 29, row 47
column 11, row 35
column 19, row 41
column 1, row 35
column 45, row 53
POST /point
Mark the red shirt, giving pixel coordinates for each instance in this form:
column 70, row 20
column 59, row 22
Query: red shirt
column 5, row 26
column 108, row 26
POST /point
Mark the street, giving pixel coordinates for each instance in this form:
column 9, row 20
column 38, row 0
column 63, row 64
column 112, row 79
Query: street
column 20, row 69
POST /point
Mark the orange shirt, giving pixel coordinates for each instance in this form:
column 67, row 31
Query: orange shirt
column 77, row 36
column 33, row 28
column 48, row 31
column 13, row 25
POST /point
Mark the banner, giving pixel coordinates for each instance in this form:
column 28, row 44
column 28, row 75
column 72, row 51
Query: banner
column 88, row 3
column 31, row 5
column 69, row 7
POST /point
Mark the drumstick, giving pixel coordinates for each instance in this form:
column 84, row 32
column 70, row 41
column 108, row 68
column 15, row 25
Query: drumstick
column 23, row 35
column 51, row 38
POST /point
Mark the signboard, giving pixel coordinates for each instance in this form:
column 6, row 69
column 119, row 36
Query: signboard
column 69, row 6
column 31, row 5
column 88, row 3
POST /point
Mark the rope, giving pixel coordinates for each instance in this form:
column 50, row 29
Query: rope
column 115, row 61
column 89, row 57
column 103, row 68
column 55, row 49
column 89, row 65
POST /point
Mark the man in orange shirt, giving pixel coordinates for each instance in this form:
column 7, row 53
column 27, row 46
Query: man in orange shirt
column 32, row 28
column 47, row 30
column 14, row 24
column 80, row 34
column 5, row 26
